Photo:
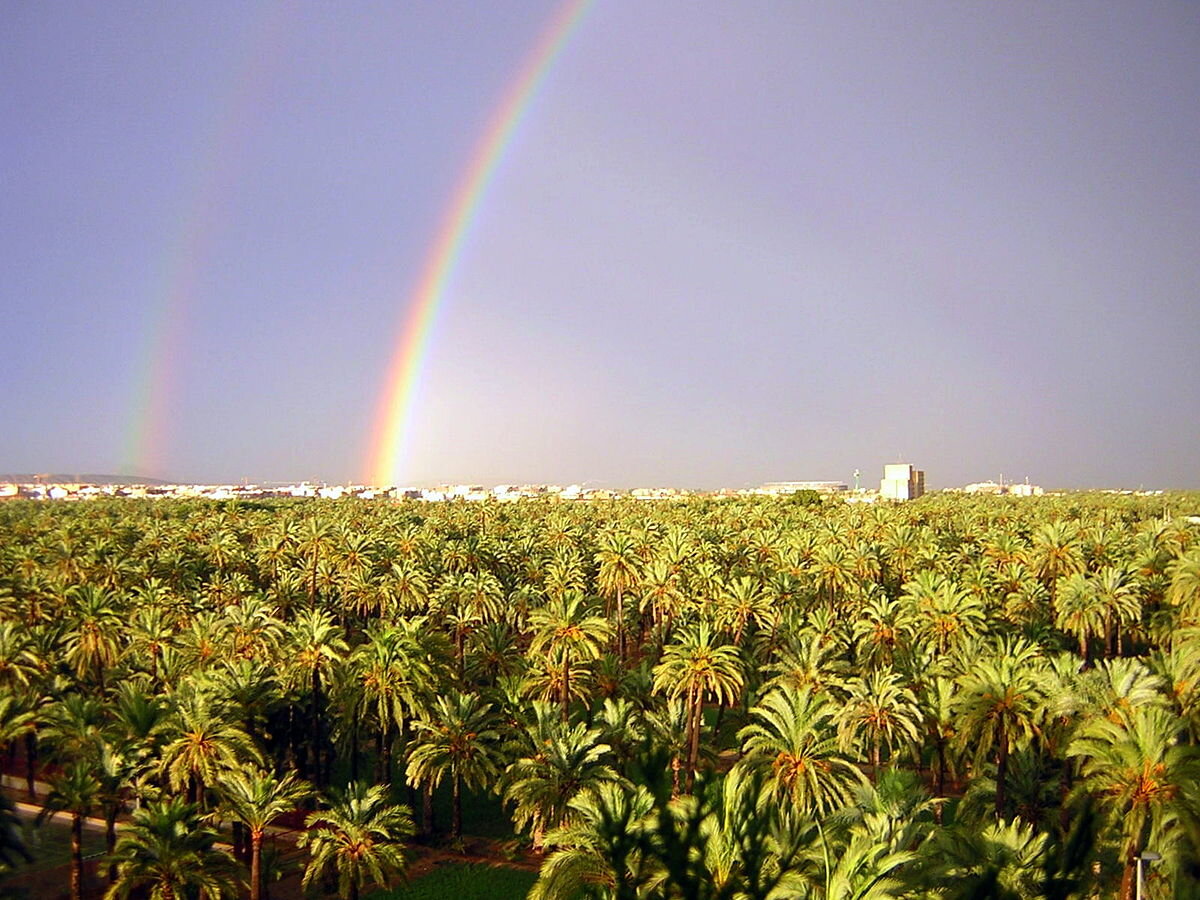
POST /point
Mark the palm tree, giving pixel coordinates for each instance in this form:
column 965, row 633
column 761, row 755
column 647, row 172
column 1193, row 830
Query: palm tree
column 206, row 745
column 743, row 603
column 459, row 739
column 793, row 737
column 661, row 593
column 317, row 646
column 881, row 628
column 74, row 790
column 313, row 542
column 1120, row 604
column 938, row 703
column 361, row 835
column 948, row 615
column 1005, row 860
column 255, row 797
column 881, row 714
column 1078, row 610
column 601, row 852
column 93, row 643
column 558, row 762
column 1143, row 777
column 1000, row 706
column 167, row 852
column 1055, row 552
column 567, row 635
column 619, row 573
column 17, row 665
column 1184, row 589
column 833, row 570
column 695, row 667
column 392, row 671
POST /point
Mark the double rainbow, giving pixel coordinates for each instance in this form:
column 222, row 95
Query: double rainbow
column 392, row 433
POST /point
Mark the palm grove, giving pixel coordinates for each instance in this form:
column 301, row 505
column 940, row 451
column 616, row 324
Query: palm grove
column 712, row 698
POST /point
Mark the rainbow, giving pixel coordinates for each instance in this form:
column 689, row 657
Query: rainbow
column 393, row 421
column 217, row 168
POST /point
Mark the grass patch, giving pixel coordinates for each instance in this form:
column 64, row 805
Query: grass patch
column 465, row 882
column 50, row 844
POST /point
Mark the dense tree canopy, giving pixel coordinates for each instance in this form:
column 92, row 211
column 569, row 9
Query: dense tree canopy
column 711, row 697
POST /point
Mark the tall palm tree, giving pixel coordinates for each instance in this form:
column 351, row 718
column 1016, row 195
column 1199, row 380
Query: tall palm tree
column 696, row 667
column 205, row 746
column 93, row 643
column 880, row 714
column 601, row 852
column 256, row 797
column 317, row 646
column 938, row 702
column 1054, row 552
column 393, row 671
column 619, row 573
column 361, row 835
column 1144, row 778
column 743, row 603
column 567, row 634
column 1000, row 706
column 17, row 664
column 459, row 739
column 1120, row 603
column 74, row 790
column 557, row 762
column 166, row 853
column 792, row 736
column 1078, row 609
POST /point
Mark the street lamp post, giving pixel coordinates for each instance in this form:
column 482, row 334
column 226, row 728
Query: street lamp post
column 1146, row 856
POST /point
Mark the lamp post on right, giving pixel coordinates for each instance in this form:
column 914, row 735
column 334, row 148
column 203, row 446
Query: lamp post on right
column 1146, row 856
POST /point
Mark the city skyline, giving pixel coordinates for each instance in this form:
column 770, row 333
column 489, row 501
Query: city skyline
column 712, row 248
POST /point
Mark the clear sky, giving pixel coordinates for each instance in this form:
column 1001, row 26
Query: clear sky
column 729, row 243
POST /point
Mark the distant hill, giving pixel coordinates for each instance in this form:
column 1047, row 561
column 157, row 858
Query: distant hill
column 79, row 478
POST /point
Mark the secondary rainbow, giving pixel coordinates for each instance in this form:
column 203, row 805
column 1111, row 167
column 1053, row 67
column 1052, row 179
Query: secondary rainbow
column 393, row 421
column 216, row 168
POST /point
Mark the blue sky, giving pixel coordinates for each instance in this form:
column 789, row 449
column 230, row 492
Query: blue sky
column 729, row 243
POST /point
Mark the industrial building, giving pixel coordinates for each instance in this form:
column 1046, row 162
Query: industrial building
column 902, row 481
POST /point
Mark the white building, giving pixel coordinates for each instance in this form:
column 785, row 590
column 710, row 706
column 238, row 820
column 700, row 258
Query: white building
column 902, row 481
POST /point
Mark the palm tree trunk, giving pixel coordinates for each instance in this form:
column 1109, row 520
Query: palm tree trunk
column 316, row 725
column 1128, row 877
column 427, row 823
column 76, row 856
column 1001, row 774
column 256, row 864
column 456, row 813
column 694, row 739
column 30, row 762
column 380, row 744
column 110, row 837
column 566, row 689
column 939, row 779
column 620, row 613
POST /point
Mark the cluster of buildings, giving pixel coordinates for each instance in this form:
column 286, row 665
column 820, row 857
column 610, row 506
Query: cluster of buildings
column 1000, row 488
column 900, row 482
